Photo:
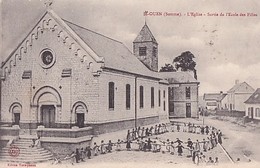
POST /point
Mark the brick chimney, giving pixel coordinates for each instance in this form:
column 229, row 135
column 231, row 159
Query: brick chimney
column 236, row 81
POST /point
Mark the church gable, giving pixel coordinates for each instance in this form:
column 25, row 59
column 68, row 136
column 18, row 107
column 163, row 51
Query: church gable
column 51, row 23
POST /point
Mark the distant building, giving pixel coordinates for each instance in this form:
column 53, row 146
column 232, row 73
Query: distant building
column 237, row 95
column 213, row 101
column 252, row 105
column 182, row 94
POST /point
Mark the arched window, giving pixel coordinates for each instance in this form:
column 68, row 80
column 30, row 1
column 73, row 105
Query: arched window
column 128, row 96
column 152, row 97
column 16, row 110
column 141, row 97
column 80, row 110
column 111, row 95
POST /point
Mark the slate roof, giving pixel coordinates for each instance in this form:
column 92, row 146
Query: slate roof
column 211, row 103
column 211, row 96
column 254, row 98
column 214, row 96
column 222, row 96
column 145, row 35
column 178, row 77
column 116, row 55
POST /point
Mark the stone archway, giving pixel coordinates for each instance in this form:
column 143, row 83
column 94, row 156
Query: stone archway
column 16, row 109
column 47, row 103
column 80, row 110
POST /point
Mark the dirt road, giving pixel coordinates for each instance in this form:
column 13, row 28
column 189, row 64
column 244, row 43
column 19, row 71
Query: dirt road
column 240, row 142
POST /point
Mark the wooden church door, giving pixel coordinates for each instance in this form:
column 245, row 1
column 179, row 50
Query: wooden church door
column 48, row 116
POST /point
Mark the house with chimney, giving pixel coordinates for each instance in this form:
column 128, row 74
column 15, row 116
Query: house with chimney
column 237, row 95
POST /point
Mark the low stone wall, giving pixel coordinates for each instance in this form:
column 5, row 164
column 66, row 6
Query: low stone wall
column 63, row 141
column 230, row 113
column 120, row 125
column 9, row 131
column 3, row 143
column 7, row 134
column 67, row 133
column 61, row 149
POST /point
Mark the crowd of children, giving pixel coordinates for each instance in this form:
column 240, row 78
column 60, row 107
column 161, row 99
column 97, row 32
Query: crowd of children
column 144, row 139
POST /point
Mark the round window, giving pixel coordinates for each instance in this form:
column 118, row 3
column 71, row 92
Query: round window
column 47, row 58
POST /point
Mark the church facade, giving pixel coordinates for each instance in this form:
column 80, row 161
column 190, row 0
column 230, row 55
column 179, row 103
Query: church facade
column 63, row 76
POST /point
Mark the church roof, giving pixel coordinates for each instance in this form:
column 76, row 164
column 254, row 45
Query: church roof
column 178, row 77
column 116, row 55
column 254, row 98
column 145, row 35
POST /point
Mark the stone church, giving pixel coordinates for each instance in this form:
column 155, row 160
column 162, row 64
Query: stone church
column 64, row 76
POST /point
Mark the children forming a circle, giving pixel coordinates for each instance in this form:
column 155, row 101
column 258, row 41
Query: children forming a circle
column 144, row 139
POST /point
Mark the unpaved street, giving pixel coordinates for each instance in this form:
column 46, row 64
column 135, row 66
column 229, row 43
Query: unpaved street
column 240, row 142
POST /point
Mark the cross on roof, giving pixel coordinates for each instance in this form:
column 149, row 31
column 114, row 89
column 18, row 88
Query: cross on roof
column 48, row 3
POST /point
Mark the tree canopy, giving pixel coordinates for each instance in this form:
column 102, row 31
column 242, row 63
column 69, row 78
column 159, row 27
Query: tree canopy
column 167, row 68
column 185, row 62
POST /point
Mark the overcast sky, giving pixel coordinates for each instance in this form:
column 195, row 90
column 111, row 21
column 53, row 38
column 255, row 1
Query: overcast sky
column 226, row 47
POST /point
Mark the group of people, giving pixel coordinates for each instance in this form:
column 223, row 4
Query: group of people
column 139, row 132
column 79, row 155
column 139, row 139
column 215, row 136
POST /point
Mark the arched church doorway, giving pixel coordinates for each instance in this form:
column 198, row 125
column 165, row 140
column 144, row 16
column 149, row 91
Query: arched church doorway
column 47, row 102
column 48, row 116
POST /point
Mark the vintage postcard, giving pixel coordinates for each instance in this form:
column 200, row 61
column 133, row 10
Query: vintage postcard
column 134, row 83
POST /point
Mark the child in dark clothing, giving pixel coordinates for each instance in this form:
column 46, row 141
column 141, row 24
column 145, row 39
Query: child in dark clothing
column 179, row 149
column 207, row 129
column 149, row 146
column 147, row 132
column 77, row 155
column 128, row 145
column 88, row 150
column 178, row 127
column 128, row 135
column 202, row 130
column 109, row 146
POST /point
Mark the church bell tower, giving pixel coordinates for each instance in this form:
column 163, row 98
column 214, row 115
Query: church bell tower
column 145, row 48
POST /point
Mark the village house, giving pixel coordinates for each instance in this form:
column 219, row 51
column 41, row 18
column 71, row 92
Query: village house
column 215, row 101
column 237, row 95
column 66, row 83
column 252, row 106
